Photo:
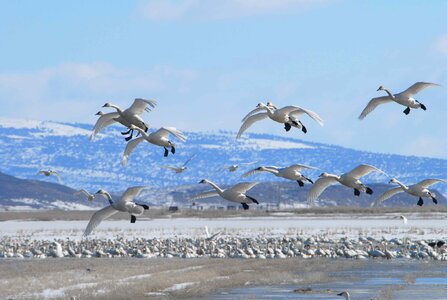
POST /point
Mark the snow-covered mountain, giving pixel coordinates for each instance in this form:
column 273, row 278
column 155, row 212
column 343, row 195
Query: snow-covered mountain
column 27, row 146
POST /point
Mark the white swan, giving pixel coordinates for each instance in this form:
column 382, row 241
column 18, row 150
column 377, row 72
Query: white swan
column 48, row 173
column 350, row 179
column 345, row 294
column 287, row 115
column 419, row 190
column 404, row 98
column 159, row 138
column 291, row 172
column 90, row 197
column 236, row 193
column 179, row 169
column 125, row 204
column 127, row 117
column 234, row 167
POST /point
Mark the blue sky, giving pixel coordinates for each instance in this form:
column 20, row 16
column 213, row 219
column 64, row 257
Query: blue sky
column 210, row 62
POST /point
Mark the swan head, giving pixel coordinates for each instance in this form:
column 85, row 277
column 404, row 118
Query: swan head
column 99, row 113
column 393, row 180
column 107, row 105
column 324, row 174
column 344, row 294
column 261, row 105
column 203, row 181
column 381, row 88
column 101, row 192
column 260, row 169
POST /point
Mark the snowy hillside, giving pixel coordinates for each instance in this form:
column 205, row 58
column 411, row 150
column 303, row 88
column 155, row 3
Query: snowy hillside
column 26, row 146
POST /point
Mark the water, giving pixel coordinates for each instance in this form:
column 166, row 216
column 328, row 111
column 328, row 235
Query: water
column 376, row 280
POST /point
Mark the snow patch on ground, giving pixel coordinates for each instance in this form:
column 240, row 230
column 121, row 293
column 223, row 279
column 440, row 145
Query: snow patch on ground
column 179, row 286
column 263, row 144
column 48, row 128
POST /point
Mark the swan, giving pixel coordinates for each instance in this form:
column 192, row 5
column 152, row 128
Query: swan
column 90, row 197
column 419, row 190
column 236, row 193
column 404, row 219
column 48, row 173
column 125, row 204
column 179, row 169
column 345, row 294
column 291, row 172
column 159, row 138
column 127, row 117
column 234, row 167
column 287, row 115
column 350, row 179
column 404, row 98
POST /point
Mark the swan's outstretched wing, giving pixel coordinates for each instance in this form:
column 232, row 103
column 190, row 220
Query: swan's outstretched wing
column 82, row 191
column 204, row 195
column 140, row 105
column 102, row 122
column 129, row 148
column 373, row 103
column 59, row 179
column 428, row 182
column 388, row 194
column 296, row 111
column 165, row 131
column 362, row 170
column 131, row 193
column 248, row 164
column 170, row 168
column 243, row 187
column 256, row 171
column 319, row 186
column 189, row 159
column 98, row 217
column 250, row 121
column 298, row 167
column 417, row 87
column 256, row 110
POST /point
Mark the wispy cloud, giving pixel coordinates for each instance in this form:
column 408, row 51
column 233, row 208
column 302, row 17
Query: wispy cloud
column 170, row 10
column 440, row 45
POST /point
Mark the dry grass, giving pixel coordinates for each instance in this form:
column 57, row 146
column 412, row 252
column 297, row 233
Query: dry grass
column 139, row 278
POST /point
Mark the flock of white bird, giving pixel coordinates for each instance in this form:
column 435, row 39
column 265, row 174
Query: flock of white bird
column 289, row 116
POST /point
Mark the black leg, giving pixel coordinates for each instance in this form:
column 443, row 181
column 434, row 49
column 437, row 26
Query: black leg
column 304, row 129
column 172, row 149
column 300, row 183
column 407, row 111
column 127, row 132
column 369, row 191
column 252, row 199
column 434, row 200
column 166, row 152
column 423, row 106
column 143, row 206
column 133, row 219
column 310, row 180
column 420, row 202
column 245, row 206
column 287, row 126
column 130, row 136
column 356, row 192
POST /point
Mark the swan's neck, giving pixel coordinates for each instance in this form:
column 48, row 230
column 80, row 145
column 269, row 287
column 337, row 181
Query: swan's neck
column 269, row 110
column 118, row 109
column 215, row 186
column 402, row 185
column 336, row 177
column 270, row 170
column 109, row 197
column 388, row 92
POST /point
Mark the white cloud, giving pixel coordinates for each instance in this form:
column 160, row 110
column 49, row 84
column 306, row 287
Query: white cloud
column 170, row 10
column 440, row 45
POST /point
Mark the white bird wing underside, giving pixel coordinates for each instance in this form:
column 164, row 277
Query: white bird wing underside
column 102, row 122
column 140, row 105
column 243, row 187
column 165, row 131
column 256, row 110
column 130, row 147
column 205, row 195
column 250, row 121
column 390, row 193
column 362, row 170
column 373, row 103
column 428, row 182
column 97, row 218
column 131, row 193
column 319, row 186
column 417, row 87
column 296, row 111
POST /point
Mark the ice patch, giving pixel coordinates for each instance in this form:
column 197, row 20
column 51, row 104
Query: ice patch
column 179, row 286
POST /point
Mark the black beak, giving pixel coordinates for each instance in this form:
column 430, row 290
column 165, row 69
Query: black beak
column 341, row 294
column 202, row 181
column 98, row 113
column 105, row 105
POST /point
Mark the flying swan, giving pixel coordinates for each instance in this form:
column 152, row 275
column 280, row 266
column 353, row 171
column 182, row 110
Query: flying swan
column 292, row 172
column 127, row 117
column 236, row 193
column 179, row 169
column 350, row 179
column 234, row 167
column 159, row 138
column 419, row 190
column 48, row 173
column 404, row 98
column 90, row 197
column 287, row 115
column 125, row 204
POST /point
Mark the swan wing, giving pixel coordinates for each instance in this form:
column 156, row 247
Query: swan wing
column 318, row 187
column 59, row 179
column 250, row 121
column 130, row 147
column 165, row 131
column 417, row 87
column 254, row 111
column 248, row 164
column 363, row 170
column 256, row 171
column 188, row 160
column 102, row 122
column 140, row 105
column 428, row 182
column 82, row 191
column 390, row 193
column 373, row 103
column 205, row 195
column 298, row 167
column 97, row 218
column 131, row 193
column 295, row 111
column 243, row 187
column 170, row 168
